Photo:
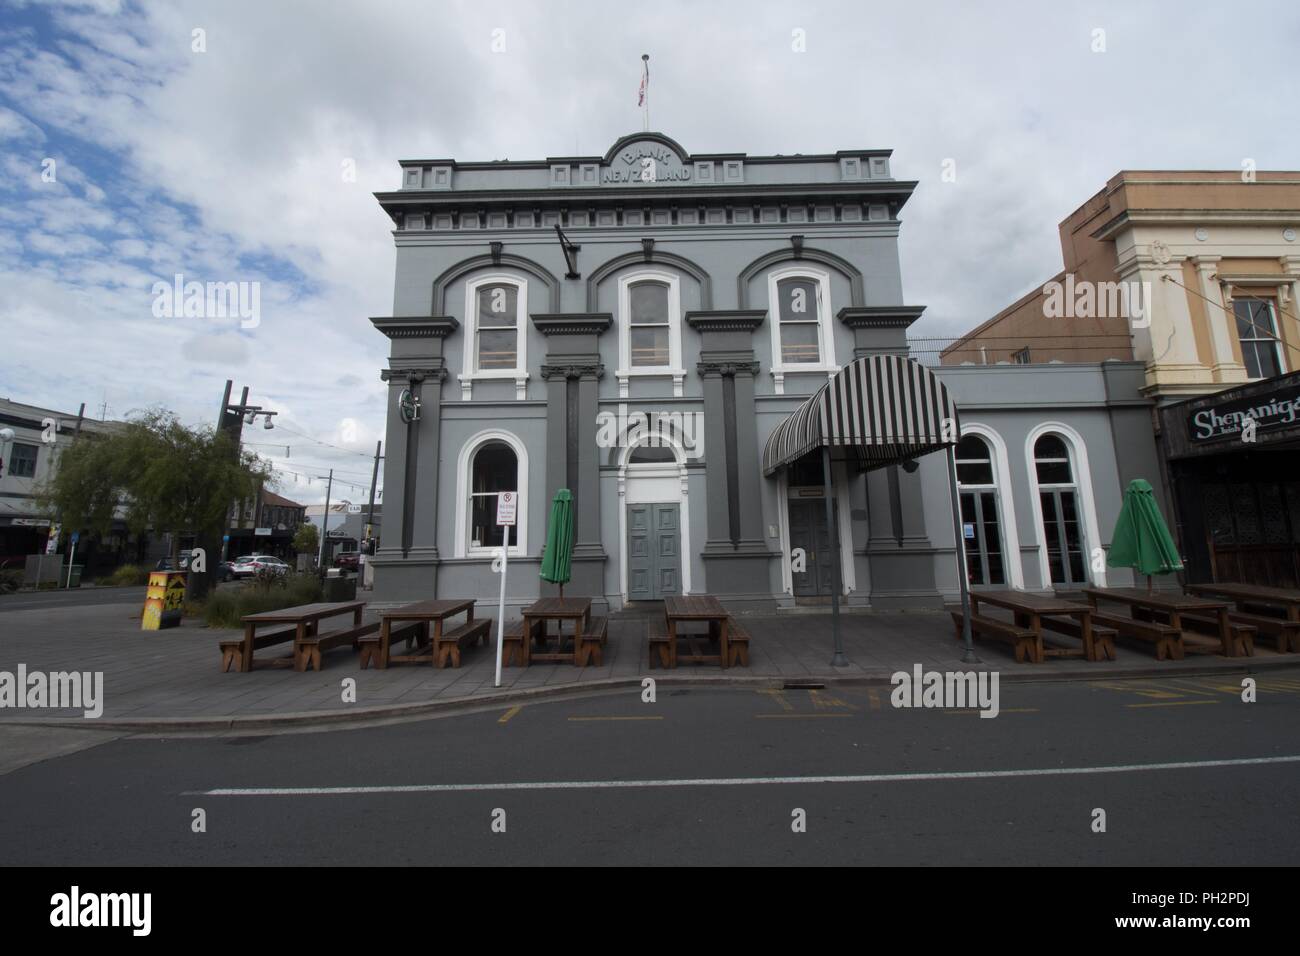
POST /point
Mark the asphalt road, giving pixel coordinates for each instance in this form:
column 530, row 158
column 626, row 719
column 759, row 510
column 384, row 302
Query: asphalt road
column 73, row 597
column 703, row 776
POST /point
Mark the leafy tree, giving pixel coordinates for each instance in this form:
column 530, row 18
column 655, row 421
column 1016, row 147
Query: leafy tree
column 306, row 540
column 159, row 473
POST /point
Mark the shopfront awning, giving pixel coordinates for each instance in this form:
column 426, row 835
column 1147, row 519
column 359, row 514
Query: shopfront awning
column 879, row 410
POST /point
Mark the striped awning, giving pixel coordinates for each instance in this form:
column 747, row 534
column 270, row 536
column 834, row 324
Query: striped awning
column 879, row 410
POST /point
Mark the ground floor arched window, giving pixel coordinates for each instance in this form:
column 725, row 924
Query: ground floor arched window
column 981, row 513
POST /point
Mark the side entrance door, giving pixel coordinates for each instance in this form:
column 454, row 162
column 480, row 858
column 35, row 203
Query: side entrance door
column 654, row 567
column 808, row 531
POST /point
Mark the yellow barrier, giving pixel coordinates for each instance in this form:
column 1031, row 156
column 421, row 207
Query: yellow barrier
column 164, row 601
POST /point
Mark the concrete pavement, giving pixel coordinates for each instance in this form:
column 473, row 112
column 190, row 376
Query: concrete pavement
column 171, row 679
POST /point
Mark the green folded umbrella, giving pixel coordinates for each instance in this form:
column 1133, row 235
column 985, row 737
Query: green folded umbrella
column 557, row 561
column 1142, row 540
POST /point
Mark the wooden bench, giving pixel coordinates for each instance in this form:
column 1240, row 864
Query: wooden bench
column 447, row 646
column 307, row 652
column 737, row 644
column 1285, row 633
column 594, row 634
column 232, row 651
column 1168, row 640
column 1028, row 645
column 1241, row 635
column 512, row 641
column 369, row 643
column 1103, row 638
column 657, row 635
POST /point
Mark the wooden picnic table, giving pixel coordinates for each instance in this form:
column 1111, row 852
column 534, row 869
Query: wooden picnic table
column 305, row 620
column 1173, row 606
column 1283, row 599
column 680, row 609
column 428, row 614
column 1031, row 609
column 536, row 616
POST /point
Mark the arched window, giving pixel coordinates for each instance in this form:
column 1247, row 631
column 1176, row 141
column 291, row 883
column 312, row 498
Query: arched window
column 496, row 310
column 799, row 312
column 650, row 338
column 980, row 512
column 800, row 318
column 649, row 324
column 494, row 469
column 1058, row 496
column 497, row 327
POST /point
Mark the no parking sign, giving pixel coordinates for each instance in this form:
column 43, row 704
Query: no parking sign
column 507, row 503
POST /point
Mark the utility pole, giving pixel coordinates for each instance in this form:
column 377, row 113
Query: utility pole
column 325, row 524
column 370, row 516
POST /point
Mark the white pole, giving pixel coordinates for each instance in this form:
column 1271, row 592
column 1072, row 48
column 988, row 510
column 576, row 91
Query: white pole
column 71, row 556
column 501, row 606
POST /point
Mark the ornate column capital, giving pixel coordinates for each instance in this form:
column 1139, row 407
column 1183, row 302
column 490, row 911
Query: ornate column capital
column 573, row 370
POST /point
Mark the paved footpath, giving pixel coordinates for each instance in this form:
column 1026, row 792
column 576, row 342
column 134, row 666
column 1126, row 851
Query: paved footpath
column 172, row 680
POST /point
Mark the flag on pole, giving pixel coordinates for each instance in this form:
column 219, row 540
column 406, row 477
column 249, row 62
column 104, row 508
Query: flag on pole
column 645, row 79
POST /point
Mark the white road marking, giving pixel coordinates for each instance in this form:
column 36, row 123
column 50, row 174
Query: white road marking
column 736, row 781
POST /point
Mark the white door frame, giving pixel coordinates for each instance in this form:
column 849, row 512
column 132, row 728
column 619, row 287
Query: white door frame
column 654, row 484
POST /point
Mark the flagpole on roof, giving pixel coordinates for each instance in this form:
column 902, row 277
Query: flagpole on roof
column 645, row 91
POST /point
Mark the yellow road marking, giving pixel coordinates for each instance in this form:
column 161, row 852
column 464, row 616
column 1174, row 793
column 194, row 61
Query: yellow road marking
column 510, row 713
column 778, row 696
column 616, row 718
column 823, row 699
column 873, row 696
column 796, row 716
column 1174, row 703
column 1136, row 688
column 1182, row 685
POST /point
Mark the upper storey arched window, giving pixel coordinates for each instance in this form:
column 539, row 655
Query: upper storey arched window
column 650, row 335
column 496, row 312
column 799, row 313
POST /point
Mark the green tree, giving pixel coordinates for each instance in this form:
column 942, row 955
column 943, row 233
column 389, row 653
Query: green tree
column 306, row 540
column 158, row 474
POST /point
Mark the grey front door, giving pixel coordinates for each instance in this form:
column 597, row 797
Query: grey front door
column 808, row 531
column 654, row 566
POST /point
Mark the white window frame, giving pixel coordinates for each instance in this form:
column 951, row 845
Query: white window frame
column 1278, row 352
column 471, row 372
column 673, row 369
column 1013, row 570
column 825, row 337
column 1082, row 474
column 465, row 462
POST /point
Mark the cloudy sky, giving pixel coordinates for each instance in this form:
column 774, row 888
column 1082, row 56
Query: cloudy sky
column 225, row 164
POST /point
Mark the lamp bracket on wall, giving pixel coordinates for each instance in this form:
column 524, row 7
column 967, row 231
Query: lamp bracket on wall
column 570, row 254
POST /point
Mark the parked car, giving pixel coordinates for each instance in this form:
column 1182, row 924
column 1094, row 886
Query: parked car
column 168, row 564
column 347, row 560
column 226, row 571
column 249, row 565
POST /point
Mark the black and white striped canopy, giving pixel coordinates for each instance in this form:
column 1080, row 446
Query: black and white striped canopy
column 880, row 410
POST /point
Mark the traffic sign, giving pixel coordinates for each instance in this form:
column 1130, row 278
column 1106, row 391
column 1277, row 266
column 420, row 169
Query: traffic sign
column 507, row 502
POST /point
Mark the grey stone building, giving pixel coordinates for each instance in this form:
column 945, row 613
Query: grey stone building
column 632, row 327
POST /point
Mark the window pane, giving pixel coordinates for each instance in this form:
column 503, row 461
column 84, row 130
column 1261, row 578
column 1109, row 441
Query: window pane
column 797, row 300
column 495, row 469
column 649, row 346
column 652, row 453
column 1050, row 446
column 649, row 305
column 22, row 461
column 1053, row 472
column 497, row 349
column 974, row 473
column 972, row 447
column 799, row 344
column 498, row 306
